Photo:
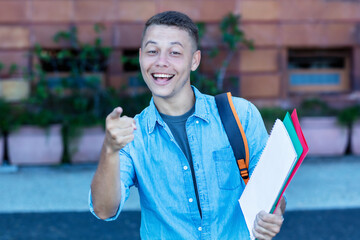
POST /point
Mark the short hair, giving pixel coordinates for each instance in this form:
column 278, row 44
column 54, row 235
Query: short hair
column 177, row 19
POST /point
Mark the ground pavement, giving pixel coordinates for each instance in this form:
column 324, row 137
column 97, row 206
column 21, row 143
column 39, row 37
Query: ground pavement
column 51, row 203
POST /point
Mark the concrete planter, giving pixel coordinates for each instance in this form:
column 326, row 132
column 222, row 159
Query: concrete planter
column 355, row 139
column 31, row 145
column 14, row 89
column 86, row 148
column 325, row 137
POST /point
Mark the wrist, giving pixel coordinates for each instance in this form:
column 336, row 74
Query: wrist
column 109, row 150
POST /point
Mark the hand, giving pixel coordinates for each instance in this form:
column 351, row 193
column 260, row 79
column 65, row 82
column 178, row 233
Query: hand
column 267, row 225
column 119, row 130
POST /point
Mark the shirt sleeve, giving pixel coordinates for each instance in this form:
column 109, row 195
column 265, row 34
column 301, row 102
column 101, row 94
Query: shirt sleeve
column 127, row 178
column 256, row 134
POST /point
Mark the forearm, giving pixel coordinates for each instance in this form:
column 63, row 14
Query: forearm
column 106, row 187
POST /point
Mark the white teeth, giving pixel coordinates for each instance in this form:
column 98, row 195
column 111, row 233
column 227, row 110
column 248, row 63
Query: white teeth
column 162, row 75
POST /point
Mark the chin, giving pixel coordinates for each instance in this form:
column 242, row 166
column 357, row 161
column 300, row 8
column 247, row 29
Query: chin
column 162, row 92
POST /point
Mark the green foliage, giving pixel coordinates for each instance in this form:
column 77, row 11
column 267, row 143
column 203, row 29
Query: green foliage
column 232, row 39
column 201, row 30
column 8, row 117
column 204, row 83
column 37, row 117
column 232, row 35
column 316, row 107
column 13, row 69
column 75, row 99
column 349, row 115
column 77, row 58
column 69, row 36
column 32, row 112
column 131, row 60
column 270, row 114
column 99, row 28
column 9, row 71
column 135, row 104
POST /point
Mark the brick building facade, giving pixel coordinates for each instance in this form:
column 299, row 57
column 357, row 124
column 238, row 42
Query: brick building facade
column 286, row 33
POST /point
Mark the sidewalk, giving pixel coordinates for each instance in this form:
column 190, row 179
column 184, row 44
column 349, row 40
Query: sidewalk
column 321, row 183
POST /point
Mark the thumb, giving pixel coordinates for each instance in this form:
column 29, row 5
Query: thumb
column 116, row 113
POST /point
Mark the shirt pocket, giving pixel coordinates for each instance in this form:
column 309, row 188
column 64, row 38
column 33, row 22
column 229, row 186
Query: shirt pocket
column 226, row 169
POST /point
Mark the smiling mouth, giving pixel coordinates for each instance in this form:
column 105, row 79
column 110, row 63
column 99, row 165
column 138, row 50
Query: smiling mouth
column 162, row 76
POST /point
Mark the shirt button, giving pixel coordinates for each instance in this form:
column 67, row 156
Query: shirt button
column 197, row 121
column 185, row 167
column 200, row 228
column 191, row 200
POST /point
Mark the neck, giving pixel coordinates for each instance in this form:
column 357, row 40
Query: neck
column 176, row 105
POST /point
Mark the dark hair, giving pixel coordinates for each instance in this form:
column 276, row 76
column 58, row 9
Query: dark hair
column 177, row 19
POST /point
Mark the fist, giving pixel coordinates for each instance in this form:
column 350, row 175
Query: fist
column 268, row 225
column 119, row 130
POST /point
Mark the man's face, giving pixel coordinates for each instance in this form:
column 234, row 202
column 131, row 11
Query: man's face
column 166, row 58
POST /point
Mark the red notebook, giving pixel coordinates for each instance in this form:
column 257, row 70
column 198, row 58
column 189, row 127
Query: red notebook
column 301, row 137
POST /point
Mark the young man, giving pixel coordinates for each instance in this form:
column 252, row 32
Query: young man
column 176, row 150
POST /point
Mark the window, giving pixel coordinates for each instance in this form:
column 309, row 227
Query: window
column 319, row 70
column 131, row 67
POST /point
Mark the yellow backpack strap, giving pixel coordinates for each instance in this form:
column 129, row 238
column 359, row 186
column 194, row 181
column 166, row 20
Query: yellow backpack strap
column 235, row 132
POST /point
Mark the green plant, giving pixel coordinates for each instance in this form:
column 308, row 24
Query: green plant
column 233, row 38
column 41, row 107
column 76, row 59
column 270, row 114
column 77, row 111
column 316, row 107
column 133, row 62
column 8, row 117
column 37, row 116
column 347, row 117
column 9, row 71
column 78, row 96
column 204, row 83
column 135, row 104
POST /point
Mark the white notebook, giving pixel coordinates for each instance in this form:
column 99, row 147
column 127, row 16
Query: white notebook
column 269, row 175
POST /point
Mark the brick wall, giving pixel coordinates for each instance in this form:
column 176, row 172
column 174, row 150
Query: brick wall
column 277, row 25
column 23, row 23
column 274, row 25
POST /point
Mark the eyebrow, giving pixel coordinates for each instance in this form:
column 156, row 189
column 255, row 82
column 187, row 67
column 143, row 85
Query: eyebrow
column 177, row 43
column 172, row 43
column 149, row 42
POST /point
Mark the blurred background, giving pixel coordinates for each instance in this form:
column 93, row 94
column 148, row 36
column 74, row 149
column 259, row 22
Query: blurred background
column 65, row 64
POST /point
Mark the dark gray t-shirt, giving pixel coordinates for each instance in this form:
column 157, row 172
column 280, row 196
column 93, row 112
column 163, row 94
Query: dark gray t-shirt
column 177, row 125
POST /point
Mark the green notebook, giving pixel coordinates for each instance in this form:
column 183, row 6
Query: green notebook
column 293, row 136
column 298, row 149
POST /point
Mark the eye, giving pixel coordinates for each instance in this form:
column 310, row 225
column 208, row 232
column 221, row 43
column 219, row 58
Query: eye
column 151, row 52
column 175, row 53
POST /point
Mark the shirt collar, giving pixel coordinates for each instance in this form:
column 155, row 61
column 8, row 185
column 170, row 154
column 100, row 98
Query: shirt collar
column 201, row 106
column 201, row 111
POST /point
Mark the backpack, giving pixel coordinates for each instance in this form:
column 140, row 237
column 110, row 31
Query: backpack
column 234, row 132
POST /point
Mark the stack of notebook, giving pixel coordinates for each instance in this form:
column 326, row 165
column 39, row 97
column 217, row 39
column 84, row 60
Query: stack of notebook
column 284, row 152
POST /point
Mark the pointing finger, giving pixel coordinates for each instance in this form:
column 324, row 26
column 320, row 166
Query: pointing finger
column 116, row 113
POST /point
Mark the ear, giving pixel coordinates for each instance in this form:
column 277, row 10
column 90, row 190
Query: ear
column 195, row 60
column 139, row 53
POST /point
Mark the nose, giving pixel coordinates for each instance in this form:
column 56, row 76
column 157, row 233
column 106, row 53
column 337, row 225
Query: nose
column 162, row 60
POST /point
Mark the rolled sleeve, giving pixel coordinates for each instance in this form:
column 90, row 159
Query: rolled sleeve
column 124, row 196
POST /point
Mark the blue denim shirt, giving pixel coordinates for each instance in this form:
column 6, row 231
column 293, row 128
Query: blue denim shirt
column 155, row 164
